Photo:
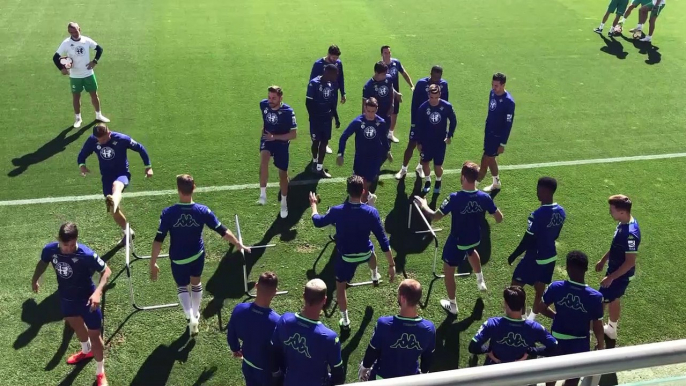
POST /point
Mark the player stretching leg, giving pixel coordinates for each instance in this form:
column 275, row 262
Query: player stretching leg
column 278, row 129
column 467, row 207
column 420, row 94
column 655, row 9
column 74, row 265
column 253, row 324
column 511, row 338
column 308, row 352
column 394, row 69
column 73, row 58
column 501, row 109
column 576, row 307
column 354, row 222
column 545, row 224
column 399, row 342
column 617, row 7
column 332, row 57
column 372, row 147
column 321, row 105
column 184, row 222
column 622, row 260
column 434, row 134
column 111, row 148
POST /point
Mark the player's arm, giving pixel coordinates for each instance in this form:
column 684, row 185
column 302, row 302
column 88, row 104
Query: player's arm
column 292, row 133
column 416, row 94
column 478, row 344
column 544, row 306
column 341, row 80
column 161, row 234
column 629, row 262
column 56, row 60
column 406, row 76
column 140, row 149
column 385, row 140
column 335, row 361
column 313, row 72
column 507, row 125
column 41, row 266
column 527, row 240
column 320, row 221
column 428, row 355
column 334, row 114
column 86, row 151
column 603, row 260
column 453, row 123
column 309, row 99
column 431, row 214
column 350, row 130
column 105, row 272
column 380, row 234
column 61, row 50
column 371, row 355
column 549, row 343
column 232, row 336
column 277, row 361
column 213, row 223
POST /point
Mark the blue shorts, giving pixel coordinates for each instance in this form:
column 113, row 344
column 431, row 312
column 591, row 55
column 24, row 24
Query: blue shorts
column 320, row 129
column 574, row 346
column 92, row 319
column 344, row 270
column 255, row 377
column 367, row 169
column 413, row 135
column 454, row 256
column 279, row 151
column 529, row 272
column 433, row 152
column 182, row 272
column 614, row 291
column 491, row 145
column 107, row 182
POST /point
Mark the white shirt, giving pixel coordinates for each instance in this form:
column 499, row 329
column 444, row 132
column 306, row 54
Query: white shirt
column 79, row 52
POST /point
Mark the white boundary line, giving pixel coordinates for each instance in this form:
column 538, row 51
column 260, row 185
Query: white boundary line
column 91, row 197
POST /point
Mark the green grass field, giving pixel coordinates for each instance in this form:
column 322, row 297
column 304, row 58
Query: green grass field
column 185, row 78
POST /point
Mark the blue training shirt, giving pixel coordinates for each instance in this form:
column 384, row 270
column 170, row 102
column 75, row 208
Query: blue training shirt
column 626, row 240
column 253, row 326
column 382, row 90
column 318, row 69
column 112, row 155
column 545, row 224
column 74, row 270
column 279, row 121
column 371, row 138
column 395, row 68
column 509, row 339
column 576, row 306
column 421, row 95
column 468, row 209
column 432, row 123
column 501, row 110
column 323, row 93
column 184, row 222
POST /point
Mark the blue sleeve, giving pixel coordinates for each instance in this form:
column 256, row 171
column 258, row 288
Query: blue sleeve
column 420, row 127
column 547, row 340
column 367, row 91
column 293, row 125
column 377, row 229
column 86, row 150
column 350, row 130
column 416, row 94
column 213, row 222
column 311, row 88
column 383, row 130
column 313, row 72
column 163, row 228
column 329, row 218
column 453, row 122
column 231, row 333
column 428, row 353
column 341, row 78
column 138, row 148
column 401, row 69
column 531, row 225
column 335, row 360
column 483, row 335
column 509, row 119
column 445, row 207
column 447, row 94
column 95, row 262
column 632, row 243
column 597, row 309
column 45, row 255
column 490, row 204
column 549, row 295
column 374, row 349
column 277, row 359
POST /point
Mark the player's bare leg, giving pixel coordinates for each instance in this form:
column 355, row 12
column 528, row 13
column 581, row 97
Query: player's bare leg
column 449, row 304
column 599, row 29
column 438, row 171
column 368, row 197
column 426, row 170
column 391, row 132
column 611, row 326
column 264, row 175
column 539, row 289
column 76, row 323
column 283, row 185
column 651, row 29
column 76, row 101
column 374, row 267
column 117, row 190
column 475, row 262
column 95, row 99
column 98, row 347
column 321, row 153
column 642, row 17
column 489, row 163
column 196, row 299
column 342, row 299
column 409, row 150
column 483, row 169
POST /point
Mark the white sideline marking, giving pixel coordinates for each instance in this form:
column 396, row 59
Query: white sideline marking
column 90, row 197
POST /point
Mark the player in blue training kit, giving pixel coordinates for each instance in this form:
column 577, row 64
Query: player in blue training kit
column 303, row 349
column 321, row 106
column 372, row 146
column 420, row 94
column 354, row 222
column 332, row 57
column 184, row 222
column 576, row 307
column 279, row 127
column 75, row 265
column 545, row 224
column 511, row 338
column 380, row 87
column 253, row 324
column 400, row 341
column 111, row 149
column 622, row 259
column 433, row 134
column 501, row 110
column 468, row 208
column 395, row 69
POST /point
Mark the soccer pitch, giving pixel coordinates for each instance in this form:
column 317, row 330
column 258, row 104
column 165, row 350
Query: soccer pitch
column 185, row 80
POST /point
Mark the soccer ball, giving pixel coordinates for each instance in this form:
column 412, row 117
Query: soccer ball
column 618, row 29
column 66, row 62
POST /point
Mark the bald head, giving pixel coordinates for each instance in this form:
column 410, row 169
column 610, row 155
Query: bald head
column 410, row 291
column 315, row 292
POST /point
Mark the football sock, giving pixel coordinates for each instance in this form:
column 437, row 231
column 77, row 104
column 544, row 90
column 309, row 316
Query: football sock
column 427, row 179
column 496, row 180
column 375, row 272
column 532, row 316
column 86, row 346
column 403, row 169
column 77, row 116
column 480, row 276
column 314, row 160
column 185, row 299
column 100, row 367
column 612, row 324
column 601, row 25
column 438, row 179
column 196, row 298
column 344, row 315
column 320, row 167
column 283, row 201
column 263, row 192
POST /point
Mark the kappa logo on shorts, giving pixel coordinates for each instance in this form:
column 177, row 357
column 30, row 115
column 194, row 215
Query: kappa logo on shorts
column 408, row 342
column 492, row 105
column 272, row 118
column 64, row 270
column 435, row 117
column 369, row 132
column 106, row 153
column 513, row 340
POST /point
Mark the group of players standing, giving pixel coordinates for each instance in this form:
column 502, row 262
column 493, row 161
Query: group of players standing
column 296, row 348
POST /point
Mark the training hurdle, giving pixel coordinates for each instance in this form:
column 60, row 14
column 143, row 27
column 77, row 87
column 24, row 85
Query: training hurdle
column 130, row 252
column 239, row 236
column 432, row 231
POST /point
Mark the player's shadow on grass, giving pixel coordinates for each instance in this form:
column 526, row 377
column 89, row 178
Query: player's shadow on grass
column 355, row 340
column 327, row 274
column 49, row 149
column 613, row 47
column 447, row 354
column 646, row 48
column 205, row 376
column 158, row 365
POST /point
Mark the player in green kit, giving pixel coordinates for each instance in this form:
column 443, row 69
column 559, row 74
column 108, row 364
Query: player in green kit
column 618, row 7
column 637, row 4
column 655, row 8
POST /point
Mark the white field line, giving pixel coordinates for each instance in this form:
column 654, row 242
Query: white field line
column 90, row 197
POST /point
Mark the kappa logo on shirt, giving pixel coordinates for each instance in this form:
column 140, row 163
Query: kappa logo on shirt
column 408, row 342
column 299, row 344
column 573, row 302
column 186, row 221
column 513, row 340
column 556, row 221
column 472, row 207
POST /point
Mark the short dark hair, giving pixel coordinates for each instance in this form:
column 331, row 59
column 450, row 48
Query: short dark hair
column 99, row 130
column 68, row 232
column 334, row 50
column 620, row 202
column 185, row 183
column 371, row 102
column 315, row 292
column 411, row 290
column 330, row 68
column 385, row 47
column 380, row 67
column 470, row 171
column 355, row 186
column 500, row 77
column 275, row 89
column 268, row 280
column 437, row 69
column 515, row 297
column 578, row 260
column 549, row 183
column 434, row 89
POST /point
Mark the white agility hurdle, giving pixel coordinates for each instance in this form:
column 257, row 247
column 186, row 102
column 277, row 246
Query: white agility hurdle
column 245, row 269
column 362, row 283
column 130, row 252
column 433, row 231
